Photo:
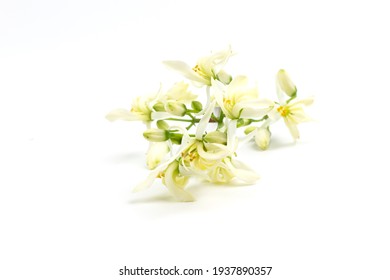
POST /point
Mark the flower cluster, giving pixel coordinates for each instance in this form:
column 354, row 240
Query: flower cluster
column 206, row 146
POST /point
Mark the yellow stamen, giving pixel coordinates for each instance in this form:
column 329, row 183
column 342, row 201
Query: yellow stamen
column 284, row 111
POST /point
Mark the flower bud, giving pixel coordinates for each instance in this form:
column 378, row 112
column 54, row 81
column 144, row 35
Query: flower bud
column 156, row 135
column 216, row 137
column 197, row 106
column 285, row 83
column 249, row 129
column 176, row 108
column 263, row 138
column 176, row 138
column 224, row 77
column 159, row 107
column 162, row 125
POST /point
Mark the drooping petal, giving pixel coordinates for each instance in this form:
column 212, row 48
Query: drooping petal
column 214, row 151
column 185, row 70
column 202, row 125
column 125, row 115
column 175, row 183
column 253, row 109
column 242, row 171
column 292, row 128
column 156, row 153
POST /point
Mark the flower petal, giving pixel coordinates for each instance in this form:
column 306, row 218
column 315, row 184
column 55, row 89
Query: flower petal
column 185, row 70
column 125, row 115
column 202, row 125
column 242, row 171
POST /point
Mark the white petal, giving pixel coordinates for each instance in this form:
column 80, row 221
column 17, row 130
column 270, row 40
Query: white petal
column 160, row 115
column 307, row 101
column 185, row 70
column 202, row 125
column 242, row 171
column 293, row 128
column 253, row 109
column 125, row 115
column 238, row 84
column 218, row 152
column 156, row 153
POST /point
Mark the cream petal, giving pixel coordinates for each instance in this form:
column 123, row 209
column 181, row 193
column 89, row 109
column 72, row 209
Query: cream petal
column 238, row 84
column 242, row 171
column 156, row 153
column 160, row 115
column 185, row 70
column 306, row 101
column 253, row 109
column 202, row 125
column 176, row 185
column 125, row 115
column 217, row 154
column 293, row 128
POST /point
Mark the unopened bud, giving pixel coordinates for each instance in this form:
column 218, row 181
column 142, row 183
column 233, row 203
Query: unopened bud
column 263, row 138
column 159, row 107
column 224, row 77
column 176, row 108
column 156, row 135
column 249, row 129
column 285, row 83
column 162, row 125
column 197, row 106
column 216, row 137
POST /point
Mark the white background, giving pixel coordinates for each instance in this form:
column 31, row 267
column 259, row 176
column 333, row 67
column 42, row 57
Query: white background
column 321, row 208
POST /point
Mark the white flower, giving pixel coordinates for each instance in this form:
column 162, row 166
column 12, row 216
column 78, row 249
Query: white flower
column 291, row 111
column 206, row 69
column 140, row 111
column 293, row 114
column 156, row 153
column 240, row 100
column 263, row 137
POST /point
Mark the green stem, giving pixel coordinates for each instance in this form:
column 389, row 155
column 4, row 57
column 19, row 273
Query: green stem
column 181, row 120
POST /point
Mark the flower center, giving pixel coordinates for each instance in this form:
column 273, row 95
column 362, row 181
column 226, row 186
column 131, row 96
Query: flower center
column 198, row 70
column 228, row 103
column 284, row 111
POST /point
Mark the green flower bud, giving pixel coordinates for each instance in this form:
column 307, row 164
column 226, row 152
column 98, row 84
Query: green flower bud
column 285, row 84
column 176, row 108
column 156, row 135
column 159, row 107
column 224, row 77
column 249, row 129
column 216, row 137
column 162, row 125
column 197, row 106
column 176, row 138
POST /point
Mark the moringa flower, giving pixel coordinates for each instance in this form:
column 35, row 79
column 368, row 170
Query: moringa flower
column 206, row 69
column 293, row 114
column 240, row 100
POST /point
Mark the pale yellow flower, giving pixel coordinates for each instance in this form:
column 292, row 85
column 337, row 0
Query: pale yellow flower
column 293, row 114
column 206, row 69
column 241, row 100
